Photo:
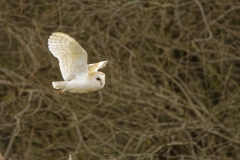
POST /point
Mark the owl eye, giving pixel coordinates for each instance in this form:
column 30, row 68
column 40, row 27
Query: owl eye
column 98, row 79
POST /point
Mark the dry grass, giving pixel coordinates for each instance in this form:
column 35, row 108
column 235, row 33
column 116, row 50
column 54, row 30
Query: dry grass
column 172, row 82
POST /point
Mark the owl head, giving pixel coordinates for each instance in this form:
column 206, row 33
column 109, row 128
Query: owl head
column 98, row 79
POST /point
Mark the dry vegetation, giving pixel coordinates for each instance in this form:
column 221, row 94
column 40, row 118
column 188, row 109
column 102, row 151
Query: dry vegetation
column 172, row 83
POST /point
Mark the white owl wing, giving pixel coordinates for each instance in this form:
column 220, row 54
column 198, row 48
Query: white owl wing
column 71, row 56
column 96, row 66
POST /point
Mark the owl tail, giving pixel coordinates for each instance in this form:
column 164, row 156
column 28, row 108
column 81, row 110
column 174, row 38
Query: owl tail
column 59, row 86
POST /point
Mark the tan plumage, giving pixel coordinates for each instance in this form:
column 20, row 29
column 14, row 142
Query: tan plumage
column 79, row 77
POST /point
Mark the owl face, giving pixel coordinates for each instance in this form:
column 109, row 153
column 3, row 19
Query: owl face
column 99, row 79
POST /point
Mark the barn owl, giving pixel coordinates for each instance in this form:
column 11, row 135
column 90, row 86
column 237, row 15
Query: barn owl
column 79, row 77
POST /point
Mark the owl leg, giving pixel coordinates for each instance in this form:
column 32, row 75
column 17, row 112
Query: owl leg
column 59, row 91
column 59, row 86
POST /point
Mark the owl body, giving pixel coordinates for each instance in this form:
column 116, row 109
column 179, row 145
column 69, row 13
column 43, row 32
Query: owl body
column 79, row 77
column 82, row 84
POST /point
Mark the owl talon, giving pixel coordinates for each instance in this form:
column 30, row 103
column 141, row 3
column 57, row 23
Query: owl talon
column 59, row 91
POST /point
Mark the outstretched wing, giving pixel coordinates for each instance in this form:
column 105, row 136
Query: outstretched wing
column 71, row 56
column 96, row 66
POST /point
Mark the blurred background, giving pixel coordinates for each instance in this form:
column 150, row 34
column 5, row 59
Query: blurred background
column 172, row 81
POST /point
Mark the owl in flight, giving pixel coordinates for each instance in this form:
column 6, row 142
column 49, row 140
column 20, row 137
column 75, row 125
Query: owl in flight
column 79, row 77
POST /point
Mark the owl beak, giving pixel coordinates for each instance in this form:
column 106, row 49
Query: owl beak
column 102, row 83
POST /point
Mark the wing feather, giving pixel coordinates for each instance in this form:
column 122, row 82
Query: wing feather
column 71, row 56
column 96, row 66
